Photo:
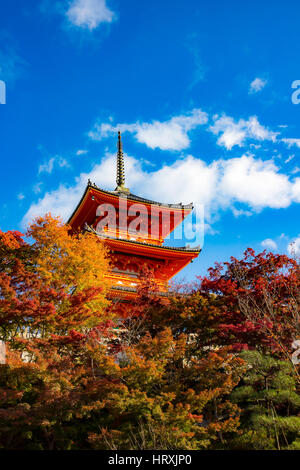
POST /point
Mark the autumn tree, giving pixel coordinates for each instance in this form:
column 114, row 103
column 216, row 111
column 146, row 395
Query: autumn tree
column 52, row 290
column 79, row 391
column 94, row 388
column 172, row 373
column 53, row 284
column 258, row 298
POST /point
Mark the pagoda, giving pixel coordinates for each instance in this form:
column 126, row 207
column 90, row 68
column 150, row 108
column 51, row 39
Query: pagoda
column 134, row 229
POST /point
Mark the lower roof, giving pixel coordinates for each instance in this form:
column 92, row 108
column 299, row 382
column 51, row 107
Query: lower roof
column 185, row 249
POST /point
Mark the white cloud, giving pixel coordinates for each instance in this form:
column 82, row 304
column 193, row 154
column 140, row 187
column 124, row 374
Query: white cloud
column 173, row 134
column 220, row 185
column 62, row 162
column 48, row 166
column 289, row 158
column 37, row 188
column 89, row 14
column 294, row 247
column 81, row 152
column 291, row 142
column 255, row 146
column 241, row 212
column 21, row 196
column 167, row 135
column 60, row 202
column 256, row 183
column 257, row 85
column 269, row 244
column 296, row 190
column 233, row 133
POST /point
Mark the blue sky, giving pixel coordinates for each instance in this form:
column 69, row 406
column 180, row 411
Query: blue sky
column 201, row 91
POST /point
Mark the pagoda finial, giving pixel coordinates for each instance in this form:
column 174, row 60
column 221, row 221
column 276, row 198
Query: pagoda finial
column 120, row 167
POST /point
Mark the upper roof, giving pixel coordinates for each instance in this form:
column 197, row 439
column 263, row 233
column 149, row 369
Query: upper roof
column 131, row 197
column 122, row 191
column 134, row 197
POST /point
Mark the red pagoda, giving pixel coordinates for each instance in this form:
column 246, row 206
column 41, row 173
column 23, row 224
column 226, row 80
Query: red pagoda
column 134, row 230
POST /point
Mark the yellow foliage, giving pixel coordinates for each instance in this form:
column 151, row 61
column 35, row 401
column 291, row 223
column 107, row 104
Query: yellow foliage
column 73, row 262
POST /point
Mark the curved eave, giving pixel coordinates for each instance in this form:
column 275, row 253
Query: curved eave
column 180, row 256
column 78, row 205
column 131, row 197
column 193, row 252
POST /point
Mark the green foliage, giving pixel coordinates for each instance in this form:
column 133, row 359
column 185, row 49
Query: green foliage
column 270, row 404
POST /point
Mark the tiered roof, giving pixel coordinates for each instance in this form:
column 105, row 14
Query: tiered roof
column 173, row 258
column 188, row 249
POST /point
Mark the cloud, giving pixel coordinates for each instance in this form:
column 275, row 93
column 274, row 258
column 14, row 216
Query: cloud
column 12, row 66
column 193, row 44
column 294, row 247
column 167, row 135
column 37, row 188
column 289, row 158
column 233, row 133
column 291, row 142
column 257, row 85
column 62, row 162
column 255, row 146
column 241, row 212
column 219, row 186
column 21, row 196
column 256, row 183
column 60, row 202
column 296, row 190
column 269, row 244
column 48, row 166
column 173, row 134
column 81, row 152
column 89, row 14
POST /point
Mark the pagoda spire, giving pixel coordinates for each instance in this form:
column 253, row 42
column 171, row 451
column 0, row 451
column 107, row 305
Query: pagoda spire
column 120, row 167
